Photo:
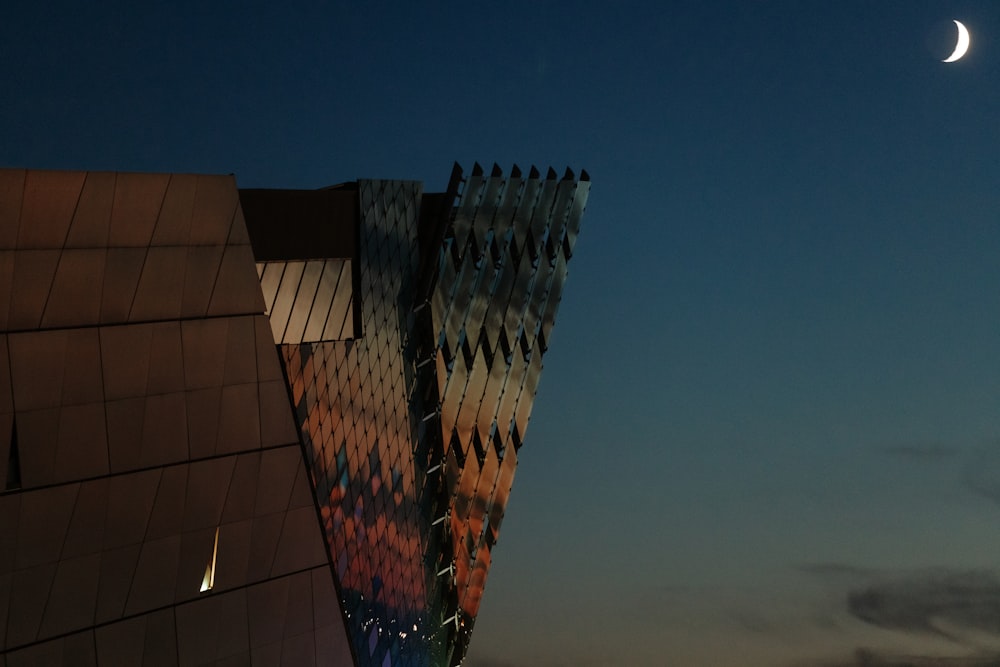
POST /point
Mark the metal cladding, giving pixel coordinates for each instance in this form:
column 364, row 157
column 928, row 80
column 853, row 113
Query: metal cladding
column 198, row 384
column 155, row 506
column 414, row 424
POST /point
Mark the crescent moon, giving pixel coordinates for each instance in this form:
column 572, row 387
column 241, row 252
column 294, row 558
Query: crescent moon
column 962, row 46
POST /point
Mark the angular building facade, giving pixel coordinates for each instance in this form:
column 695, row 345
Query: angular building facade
column 264, row 426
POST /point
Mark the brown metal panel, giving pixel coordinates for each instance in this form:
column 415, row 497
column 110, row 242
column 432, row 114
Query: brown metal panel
column 239, row 421
column 10, row 508
column 86, row 529
column 38, row 361
column 124, row 419
column 29, row 592
column 50, row 198
column 130, row 501
column 125, row 359
column 173, row 224
column 267, row 604
column 160, row 642
column 166, row 360
column 38, row 433
column 6, row 284
column 117, row 570
column 76, row 650
column 298, row 650
column 199, row 278
column 203, row 421
column 82, row 448
column 161, row 285
column 6, row 428
column 263, row 542
column 164, row 430
column 92, row 218
column 302, row 495
column 214, row 207
column 155, row 576
column 237, row 290
column 11, row 196
column 137, row 202
column 82, row 375
column 75, row 297
column 242, row 494
column 213, row 628
column 168, row 507
column 121, row 643
column 331, row 642
column 73, row 597
column 43, row 524
column 33, row 274
column 121, row 276
column 238, row 232
column 276, row 424
column 234, row 548
column 277, row 476
column 208, row 482
column 241, row 358
column 204, row 345
column 299, row 617
column 301, row 545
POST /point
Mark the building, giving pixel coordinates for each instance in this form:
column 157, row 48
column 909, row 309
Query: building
column 264, row 426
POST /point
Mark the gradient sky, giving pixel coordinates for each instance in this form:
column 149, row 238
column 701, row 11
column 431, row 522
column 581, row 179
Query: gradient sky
column 768, row 432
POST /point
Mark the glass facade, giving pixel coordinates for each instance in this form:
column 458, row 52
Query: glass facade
column 414, row 423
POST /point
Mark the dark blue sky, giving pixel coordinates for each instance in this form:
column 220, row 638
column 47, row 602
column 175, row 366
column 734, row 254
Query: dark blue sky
column 775, row 383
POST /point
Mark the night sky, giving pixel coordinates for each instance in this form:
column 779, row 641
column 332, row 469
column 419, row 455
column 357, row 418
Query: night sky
column 768, row 431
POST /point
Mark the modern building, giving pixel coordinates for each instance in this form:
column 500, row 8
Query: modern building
column 264, row 426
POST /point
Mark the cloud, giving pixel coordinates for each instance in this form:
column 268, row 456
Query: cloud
column 958, row 611
column 936, row 602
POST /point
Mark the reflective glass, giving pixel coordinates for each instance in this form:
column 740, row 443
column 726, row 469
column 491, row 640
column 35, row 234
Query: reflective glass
column 415, row 422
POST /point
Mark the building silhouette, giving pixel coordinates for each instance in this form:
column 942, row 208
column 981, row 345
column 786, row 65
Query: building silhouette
column 264, row 426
